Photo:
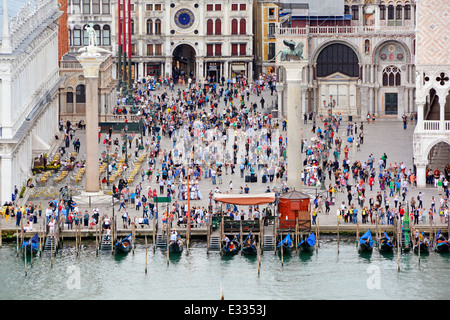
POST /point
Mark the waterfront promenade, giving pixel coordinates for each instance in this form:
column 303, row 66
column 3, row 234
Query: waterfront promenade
column 383, row 136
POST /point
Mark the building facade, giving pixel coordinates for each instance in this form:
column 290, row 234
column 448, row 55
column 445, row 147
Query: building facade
column 432, row 133
column 29, row 80
column 360, row 62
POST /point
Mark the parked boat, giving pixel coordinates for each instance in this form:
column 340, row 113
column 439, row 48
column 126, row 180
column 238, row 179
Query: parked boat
column 286, row 243
column 386, row 245
column 249, row 246
column 420, row 243
column 31, row 246
column 365, row 243
column 232, row 247
column 308, row 244
column 441, row 243
column 124, row 245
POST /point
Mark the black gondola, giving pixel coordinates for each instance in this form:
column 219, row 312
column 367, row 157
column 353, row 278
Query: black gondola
column 230, row 248
column 124, row 245
column 386, row 245
column 287, row 245
column 31, row 246
column 307, row 246
column 249, row 246
column 176, row 246
column 441, row 243
column 422, row 243
column 365, row 243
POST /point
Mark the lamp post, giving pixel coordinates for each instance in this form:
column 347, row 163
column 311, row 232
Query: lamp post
column 125, row 141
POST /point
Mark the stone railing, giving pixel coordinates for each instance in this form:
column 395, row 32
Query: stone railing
column 342, row 30
column 28, row 18
column 435, row 125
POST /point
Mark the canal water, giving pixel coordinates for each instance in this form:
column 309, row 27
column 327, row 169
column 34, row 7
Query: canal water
column 197, row 276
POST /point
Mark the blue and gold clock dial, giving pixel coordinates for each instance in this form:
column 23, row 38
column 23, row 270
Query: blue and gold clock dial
column 184, row 18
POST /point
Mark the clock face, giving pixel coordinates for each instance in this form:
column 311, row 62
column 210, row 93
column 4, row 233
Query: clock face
column 184, row 18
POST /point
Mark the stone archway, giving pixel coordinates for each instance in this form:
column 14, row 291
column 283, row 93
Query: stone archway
column 183, row 62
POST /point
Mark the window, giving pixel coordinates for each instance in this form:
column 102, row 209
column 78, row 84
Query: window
column 218, row 7
column 355, row 12
column 158, row 49
column 242, row 49
column 106, row 36
column 234, row 26
column 234, row 7
column 149, row 7
column 209, row 49
column 407, row 14
column 382, row 12
column 218, row 27
column 76, row 6
column 337, row 57
column 77, row 37
column 242, row 7
column 234, row 49
column 131, row 7
column 133, row 49
column 391, row 76
column 132, row 26
column 81, row 93
column 157, row 26
column 271, row 13
column 209, row 27
column 69, row 97
column 398, row 12
column 105, row 7
column 150, row 50
column 86, row 7
column 271, row 53
column 218, row 49
column 209, row 7
column 243, row 26
column 85, row 36
column 391, row 12
column 98, row 34
column 346, row 10
column 149, row 26
column 271, row 30
column 158, row 7
column 96, row 6
column 70, row 37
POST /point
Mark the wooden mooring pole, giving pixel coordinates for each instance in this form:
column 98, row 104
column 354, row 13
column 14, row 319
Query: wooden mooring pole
column 145, row 254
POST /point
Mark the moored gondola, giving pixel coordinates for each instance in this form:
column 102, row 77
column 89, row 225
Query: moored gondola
column 249, row 246
column 230, row 248
column 176, row 244
column 386, row 245
column 307, row 246
column 124, row 245
column 286, row 244
column 441, row 244
column 365, row 243
column 421, row 244
column 31, row 246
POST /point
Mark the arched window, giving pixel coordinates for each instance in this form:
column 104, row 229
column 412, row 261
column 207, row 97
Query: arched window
column 106, row 35
column 391, row 76
column 85, row 36
column 209, row 27
column 149, row 26
column 218, row 27
column 367, row 46
column 81, row 93
column 234, row 26
column 243, row 26
column 157, row 26
column 391, row 12
column 98, row 34
column 337, row 57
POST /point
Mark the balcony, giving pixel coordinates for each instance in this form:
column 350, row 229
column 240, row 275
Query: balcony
column 332, row 30
column 435, row 126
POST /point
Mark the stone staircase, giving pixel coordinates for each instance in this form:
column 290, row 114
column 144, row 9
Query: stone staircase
column 214, row 244
column 269, row 243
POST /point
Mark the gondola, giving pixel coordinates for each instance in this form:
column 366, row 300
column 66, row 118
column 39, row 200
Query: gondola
column 124, row 245
column 386, row 245
column 230, row 248
column 422, row 243
column 249, row 246
column 176, row 246
column 308, row 245
column 365, row 243
column 441, row 243
column 287, row 244
column 31, row 246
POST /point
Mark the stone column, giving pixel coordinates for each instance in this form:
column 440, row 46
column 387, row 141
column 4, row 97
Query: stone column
column 280, row 93
column 421, row 175
column 294, row 120
column 91, row 65
column 442, row 98
column 7, row 178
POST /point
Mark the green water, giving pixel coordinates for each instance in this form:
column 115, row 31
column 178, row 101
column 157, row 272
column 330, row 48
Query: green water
column 322, row 275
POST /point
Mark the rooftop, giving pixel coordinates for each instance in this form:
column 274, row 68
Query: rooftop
column 13, row 7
